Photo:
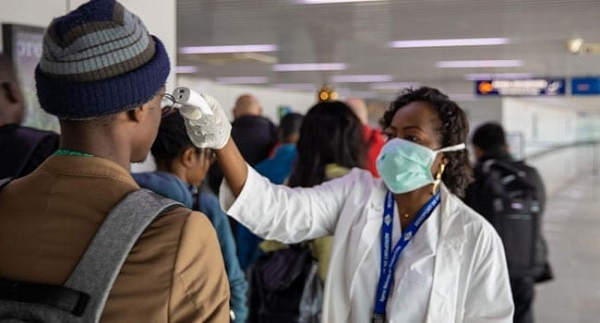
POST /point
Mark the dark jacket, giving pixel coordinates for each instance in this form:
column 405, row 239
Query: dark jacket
column 471, row 196
column 255, row 137
column 476, row 199
column 23, row 149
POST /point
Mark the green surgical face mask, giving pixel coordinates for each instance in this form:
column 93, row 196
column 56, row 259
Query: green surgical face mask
column 405, row 166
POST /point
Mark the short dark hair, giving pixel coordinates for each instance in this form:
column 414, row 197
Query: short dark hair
column 171, row 140
column 290, row 124
column 330, row 133
column 489, row 137
column 453, row 131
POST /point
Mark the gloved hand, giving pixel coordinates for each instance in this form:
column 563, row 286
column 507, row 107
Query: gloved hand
column 208, row 131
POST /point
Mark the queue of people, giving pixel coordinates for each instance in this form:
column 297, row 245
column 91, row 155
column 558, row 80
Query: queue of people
column 404, row 247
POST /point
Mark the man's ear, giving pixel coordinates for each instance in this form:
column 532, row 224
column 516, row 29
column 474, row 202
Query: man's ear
column 137, row 114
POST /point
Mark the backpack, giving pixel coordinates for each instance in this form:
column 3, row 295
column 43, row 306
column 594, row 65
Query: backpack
column 22, row 149
column 511, row 201
column 285, row 287
column 84, row 294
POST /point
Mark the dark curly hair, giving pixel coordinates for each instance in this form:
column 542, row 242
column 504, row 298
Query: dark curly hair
column 330, row 133
column 171, row 140
column 453, row 130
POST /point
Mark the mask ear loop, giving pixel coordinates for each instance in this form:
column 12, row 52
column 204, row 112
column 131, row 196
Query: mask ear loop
column 438, row 175
column 452, row 148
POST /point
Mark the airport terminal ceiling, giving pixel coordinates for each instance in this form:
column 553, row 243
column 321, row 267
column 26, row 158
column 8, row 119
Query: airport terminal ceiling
column 521, row 38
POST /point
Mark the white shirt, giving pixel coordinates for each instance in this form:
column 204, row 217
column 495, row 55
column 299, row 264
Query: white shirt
column 454, row 270
column 413, row 275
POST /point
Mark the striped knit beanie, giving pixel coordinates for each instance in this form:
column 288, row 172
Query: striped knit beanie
column 97, row 60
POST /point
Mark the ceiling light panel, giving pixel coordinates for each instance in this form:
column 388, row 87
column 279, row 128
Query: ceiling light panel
column 295, row 86
column 448, row 42
column 333, row 1
column 186, row 69
column 309, row 67
column 228, row 49
column 361, row 78
column 481, row 63
column 243, row 80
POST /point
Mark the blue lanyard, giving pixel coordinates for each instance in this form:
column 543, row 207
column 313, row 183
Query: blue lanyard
column 389, row 258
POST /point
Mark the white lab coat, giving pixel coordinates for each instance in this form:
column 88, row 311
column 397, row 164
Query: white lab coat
column 470, row 279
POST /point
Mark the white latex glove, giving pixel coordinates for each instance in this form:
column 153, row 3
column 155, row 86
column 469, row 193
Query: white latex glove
column 208, row 131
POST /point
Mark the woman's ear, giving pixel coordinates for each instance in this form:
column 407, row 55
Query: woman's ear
column 445, row 160
column 188, row 157
column 437, row 162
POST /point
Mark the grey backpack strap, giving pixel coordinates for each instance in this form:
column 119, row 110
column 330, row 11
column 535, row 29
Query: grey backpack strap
column 102, row 261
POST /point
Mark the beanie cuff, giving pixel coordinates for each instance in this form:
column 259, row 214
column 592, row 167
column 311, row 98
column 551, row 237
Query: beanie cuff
column 85, row 100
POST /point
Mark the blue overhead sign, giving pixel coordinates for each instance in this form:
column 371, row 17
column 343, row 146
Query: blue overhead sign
column 529, row 87
column 585, row 86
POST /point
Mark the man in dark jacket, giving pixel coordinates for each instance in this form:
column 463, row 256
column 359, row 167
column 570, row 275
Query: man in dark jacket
column 489, row 143
column 254, row 135
column 22, row 149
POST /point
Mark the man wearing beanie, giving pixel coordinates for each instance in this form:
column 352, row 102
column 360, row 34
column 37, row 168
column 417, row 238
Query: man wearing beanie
column 102, row 74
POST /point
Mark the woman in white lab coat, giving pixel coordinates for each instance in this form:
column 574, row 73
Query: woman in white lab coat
column 441, row 261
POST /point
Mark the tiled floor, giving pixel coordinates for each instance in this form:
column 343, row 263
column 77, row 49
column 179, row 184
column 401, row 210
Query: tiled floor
column 572, row 229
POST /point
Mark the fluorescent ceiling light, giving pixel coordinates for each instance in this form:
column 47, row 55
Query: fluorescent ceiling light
column 295, row 86
column 448, row 42
column 309, row 67
column 483, row 63
column 243, row 80
column 186, row 69
column 497, row 76
column 228, row 49
column 394, row 86
column 333, row 1
column 361, row 78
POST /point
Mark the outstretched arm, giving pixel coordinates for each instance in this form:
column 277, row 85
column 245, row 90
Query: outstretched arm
column 234, row 167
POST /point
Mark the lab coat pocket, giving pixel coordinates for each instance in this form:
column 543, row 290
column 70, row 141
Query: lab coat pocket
column 411, row 298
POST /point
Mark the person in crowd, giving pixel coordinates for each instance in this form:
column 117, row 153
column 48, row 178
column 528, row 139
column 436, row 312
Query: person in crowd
column 22, row 149
column 181, row 168
column 277, row 169
column 330, row 146
column 494, row 162
column 372, row 137
column 454, row 270
column 103, row 75
column 254, row 134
